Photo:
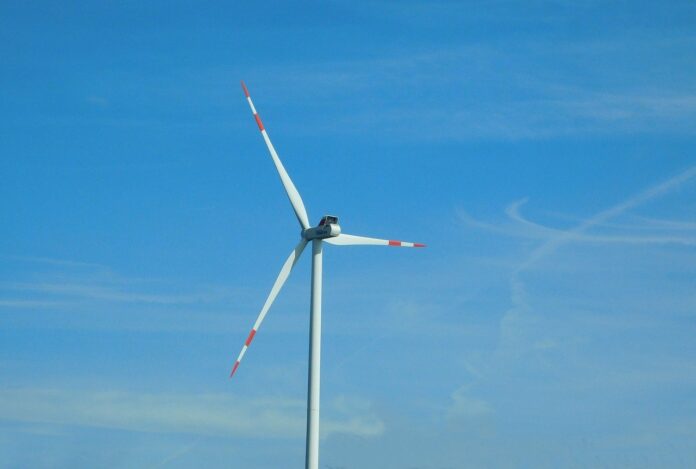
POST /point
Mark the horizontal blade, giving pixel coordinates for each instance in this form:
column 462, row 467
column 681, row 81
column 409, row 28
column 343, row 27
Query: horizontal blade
column 351, row 240
column 290, row 189
column 282, row 277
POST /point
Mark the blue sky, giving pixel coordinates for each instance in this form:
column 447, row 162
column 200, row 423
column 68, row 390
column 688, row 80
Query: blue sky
column 545, row 152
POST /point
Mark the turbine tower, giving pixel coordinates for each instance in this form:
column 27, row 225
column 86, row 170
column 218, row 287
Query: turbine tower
column 327, row 231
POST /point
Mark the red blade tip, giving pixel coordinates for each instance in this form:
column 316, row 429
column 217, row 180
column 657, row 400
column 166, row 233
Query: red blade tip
column 418, row 245
column 250, row 338
column 258, row 122
column 246, row 91
column 234, row 368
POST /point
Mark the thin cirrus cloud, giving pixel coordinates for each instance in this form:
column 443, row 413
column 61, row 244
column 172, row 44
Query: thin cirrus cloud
column 464, row 405
column 485, row 91
column 202, row 414
column 99, row 292
column 542, row 231
column 462, row 92
column 555, row 237
column 80, row 281
column 650, row 193
column 519, row 329
column 519, row 314
column 80, row 295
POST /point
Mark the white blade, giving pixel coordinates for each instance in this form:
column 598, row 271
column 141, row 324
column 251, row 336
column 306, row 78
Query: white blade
column 351, row 240
column 293, row 195
column 282, row 277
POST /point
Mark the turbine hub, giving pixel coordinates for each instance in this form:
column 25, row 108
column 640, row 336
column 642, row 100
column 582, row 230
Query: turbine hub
column 328, row 227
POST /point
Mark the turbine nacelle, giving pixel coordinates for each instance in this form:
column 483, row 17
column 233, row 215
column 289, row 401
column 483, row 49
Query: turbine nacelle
column 328, row 227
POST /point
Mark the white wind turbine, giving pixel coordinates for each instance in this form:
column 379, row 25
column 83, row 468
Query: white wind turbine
column 328, row 231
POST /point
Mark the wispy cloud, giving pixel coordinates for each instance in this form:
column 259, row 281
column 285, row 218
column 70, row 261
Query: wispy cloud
column 30, row 304
column 668, row 224
column 457, row 93
column 520, row 326
column 178, row 453
column 80, row 295
column 542, row 231
column 57, row 262
column 464, row 405
column 204, row 414
column 567, row 236
column 72, row 280
column 102, row 292
column 664, row 232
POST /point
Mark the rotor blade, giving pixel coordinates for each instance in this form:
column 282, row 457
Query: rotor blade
column 351, row 240
column 282, row 277
column 293, row 195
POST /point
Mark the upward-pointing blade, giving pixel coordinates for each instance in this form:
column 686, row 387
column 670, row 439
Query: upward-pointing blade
column 282, row 277
column 293, row 194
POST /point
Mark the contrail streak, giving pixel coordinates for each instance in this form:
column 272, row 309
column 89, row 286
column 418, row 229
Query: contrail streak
column 651, row 193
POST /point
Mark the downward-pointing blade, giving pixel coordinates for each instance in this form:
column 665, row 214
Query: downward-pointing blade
column 282, row 277
column 352, row 240
column 290, row 189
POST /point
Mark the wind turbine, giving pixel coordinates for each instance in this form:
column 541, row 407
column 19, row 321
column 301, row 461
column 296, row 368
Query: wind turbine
column 327, row 231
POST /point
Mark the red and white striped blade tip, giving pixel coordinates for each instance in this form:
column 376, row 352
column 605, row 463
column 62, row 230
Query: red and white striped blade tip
column 247, row 343
column 393, row 242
